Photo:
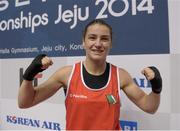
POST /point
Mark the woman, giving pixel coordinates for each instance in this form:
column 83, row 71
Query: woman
column 93, row 85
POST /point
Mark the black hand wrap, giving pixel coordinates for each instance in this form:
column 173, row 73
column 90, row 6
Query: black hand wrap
column 156, row 82
column 34, row 68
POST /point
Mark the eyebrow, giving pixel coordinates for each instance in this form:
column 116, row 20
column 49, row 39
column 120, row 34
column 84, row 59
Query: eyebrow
column 96, row 35
column 105, row 35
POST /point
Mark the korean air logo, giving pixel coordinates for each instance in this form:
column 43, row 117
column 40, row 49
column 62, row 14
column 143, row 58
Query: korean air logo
column 33, row 123
column 142, row 82
column 128, row 125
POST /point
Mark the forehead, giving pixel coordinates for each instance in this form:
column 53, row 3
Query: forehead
column 98, row 29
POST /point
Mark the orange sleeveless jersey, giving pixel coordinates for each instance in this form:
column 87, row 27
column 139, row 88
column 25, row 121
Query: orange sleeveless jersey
column 89, row 109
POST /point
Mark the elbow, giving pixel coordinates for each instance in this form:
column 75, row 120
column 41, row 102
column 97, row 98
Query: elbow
column 151, row 111
column 23, row 105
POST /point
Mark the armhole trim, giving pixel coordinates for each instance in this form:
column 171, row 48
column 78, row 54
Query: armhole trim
column 70, row 77
column 119, row 85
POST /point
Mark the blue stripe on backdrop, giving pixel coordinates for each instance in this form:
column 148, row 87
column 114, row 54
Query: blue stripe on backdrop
column 55, row 27
column 129, row 125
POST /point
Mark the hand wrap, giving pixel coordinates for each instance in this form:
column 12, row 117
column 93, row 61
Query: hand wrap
column 34, row 68
column 156, row 82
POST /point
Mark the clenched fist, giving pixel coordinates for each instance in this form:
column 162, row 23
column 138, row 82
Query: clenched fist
column 153, row 75
column 39, row 64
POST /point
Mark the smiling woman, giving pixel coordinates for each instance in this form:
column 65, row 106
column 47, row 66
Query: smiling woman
column 97, row 43
column 93, row 86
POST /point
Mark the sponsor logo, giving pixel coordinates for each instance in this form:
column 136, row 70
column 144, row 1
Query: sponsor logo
column 128, row 125
column 33, row 123
column 78, row 96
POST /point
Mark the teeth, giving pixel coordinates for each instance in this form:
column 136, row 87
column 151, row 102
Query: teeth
column 97, row 51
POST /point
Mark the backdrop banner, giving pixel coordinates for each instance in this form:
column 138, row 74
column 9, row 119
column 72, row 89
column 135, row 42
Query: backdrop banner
column 29, row 27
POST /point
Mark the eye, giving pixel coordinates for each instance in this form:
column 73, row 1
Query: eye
column 105, row 38
column 92, row 37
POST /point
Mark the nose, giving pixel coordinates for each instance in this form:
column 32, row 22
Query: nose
column 98, row 43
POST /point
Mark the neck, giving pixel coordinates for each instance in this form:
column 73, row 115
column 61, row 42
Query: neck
column 95, row 67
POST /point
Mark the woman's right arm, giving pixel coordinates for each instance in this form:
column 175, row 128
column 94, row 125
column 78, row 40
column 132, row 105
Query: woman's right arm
column 29, row 95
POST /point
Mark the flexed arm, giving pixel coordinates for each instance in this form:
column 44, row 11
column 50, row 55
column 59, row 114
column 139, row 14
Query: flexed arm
column 29, row 95
column 147, row 102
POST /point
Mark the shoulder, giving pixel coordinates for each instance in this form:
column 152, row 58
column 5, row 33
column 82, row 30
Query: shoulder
column 121, row 71
column 65, row 70
column 125, row 77
column 62, row 74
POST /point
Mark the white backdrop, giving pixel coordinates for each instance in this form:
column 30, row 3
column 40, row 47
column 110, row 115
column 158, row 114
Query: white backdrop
column 50, row 114
column 174, row 19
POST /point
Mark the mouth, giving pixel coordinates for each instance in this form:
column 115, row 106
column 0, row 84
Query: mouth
column 98, row 52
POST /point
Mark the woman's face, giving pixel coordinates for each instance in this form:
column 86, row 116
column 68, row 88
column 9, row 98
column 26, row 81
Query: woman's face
column 97, row 42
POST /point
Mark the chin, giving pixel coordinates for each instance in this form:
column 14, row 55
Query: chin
column 98, row 57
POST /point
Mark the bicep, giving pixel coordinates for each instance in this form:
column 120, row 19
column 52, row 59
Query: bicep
column 58, row 79
column 130, row 88
column 134, row 93
column 52, row 85
column 29, row 95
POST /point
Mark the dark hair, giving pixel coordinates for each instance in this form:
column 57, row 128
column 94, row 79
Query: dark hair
column 97, row 21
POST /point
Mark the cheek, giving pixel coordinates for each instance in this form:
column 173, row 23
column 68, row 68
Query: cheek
column 108, row 45
column 87, row 44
